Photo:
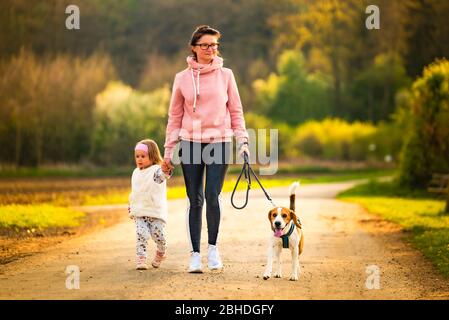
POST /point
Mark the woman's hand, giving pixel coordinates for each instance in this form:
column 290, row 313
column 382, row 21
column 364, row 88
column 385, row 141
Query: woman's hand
column 167, row 166
column 244, row 148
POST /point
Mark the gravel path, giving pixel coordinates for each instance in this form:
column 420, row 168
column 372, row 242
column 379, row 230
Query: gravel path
column 341, row 242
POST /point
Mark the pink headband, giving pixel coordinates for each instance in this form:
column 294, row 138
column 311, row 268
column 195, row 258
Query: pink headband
column 142, row 147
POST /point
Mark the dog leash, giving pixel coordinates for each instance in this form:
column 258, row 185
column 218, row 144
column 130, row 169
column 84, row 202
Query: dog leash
column 247, row 170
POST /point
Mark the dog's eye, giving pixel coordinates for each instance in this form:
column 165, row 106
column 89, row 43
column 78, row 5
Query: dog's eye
column 274, row 215
column 284, row 216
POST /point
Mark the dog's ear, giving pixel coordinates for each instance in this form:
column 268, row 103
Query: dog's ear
column 295, row 219
column 269, row 219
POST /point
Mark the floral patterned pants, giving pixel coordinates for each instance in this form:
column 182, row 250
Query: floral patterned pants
column 146, row 227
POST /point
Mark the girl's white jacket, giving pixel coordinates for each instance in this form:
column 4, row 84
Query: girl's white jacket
column 148, row 198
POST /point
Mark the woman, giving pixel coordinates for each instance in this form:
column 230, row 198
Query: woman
column 205, row 112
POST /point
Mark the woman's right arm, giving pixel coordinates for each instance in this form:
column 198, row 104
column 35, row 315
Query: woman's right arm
column 175, row 115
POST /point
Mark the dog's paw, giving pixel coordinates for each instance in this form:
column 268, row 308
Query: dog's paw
column 266, row 276
column 294, row 278
column 278, row 275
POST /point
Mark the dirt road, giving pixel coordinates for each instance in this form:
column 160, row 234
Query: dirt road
column 341, row 241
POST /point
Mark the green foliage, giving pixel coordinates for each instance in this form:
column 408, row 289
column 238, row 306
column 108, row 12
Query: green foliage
column 331, row 27
column 293, row 95
column 390, row 189
column 334, row 41
column 46, row 106
column 285, row 134
column 426, row 150
column 375, row 88
column 124, row 116
column 160, row 71
column 335, row 139
column 328, row 65
column 339, row 140
column 130, row 31
column 427, row 33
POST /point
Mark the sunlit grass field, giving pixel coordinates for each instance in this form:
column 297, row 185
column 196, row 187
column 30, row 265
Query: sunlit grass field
column 415, row 212
column 39, row 216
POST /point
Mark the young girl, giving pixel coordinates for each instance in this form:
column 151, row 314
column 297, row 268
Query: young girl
column 148, row 202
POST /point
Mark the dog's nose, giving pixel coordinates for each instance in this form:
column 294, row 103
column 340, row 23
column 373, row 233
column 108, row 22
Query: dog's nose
column 277, row 223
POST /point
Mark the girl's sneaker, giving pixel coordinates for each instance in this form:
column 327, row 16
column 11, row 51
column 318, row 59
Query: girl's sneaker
column 158, row 258
column 141, row 263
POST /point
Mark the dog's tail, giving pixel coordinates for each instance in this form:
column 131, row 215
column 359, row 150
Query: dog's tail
column 292, row 193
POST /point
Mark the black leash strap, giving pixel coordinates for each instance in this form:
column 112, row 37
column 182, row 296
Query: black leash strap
column 247, row 170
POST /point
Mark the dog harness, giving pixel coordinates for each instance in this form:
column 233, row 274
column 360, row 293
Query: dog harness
column 287, row 235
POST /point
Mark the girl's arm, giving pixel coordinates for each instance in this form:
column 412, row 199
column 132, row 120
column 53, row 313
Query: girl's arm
column 160, row 176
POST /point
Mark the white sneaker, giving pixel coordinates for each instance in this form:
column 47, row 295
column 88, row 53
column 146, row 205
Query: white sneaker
column 141, row 263
column 213, row 258
column 158, row 258
column 195, row 263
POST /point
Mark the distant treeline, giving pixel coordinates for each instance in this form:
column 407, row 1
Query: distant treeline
column 147, row 41
column 89, row 94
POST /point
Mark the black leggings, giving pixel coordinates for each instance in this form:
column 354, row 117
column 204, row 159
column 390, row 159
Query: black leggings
column 193, row 165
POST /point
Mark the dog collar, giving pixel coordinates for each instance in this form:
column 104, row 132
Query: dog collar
column 286, row 236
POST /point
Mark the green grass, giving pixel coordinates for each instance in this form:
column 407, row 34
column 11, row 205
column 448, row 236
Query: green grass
column 38, row 216
column 71, row 171
column 348, row 175
column 318, row 170
column 375, row 188
column 414, row 211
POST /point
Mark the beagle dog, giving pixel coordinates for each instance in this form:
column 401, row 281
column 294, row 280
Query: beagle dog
column 286, row 233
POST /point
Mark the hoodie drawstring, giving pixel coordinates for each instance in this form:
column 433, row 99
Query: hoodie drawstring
column 196, row 88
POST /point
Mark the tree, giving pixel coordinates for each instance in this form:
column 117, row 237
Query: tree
column 47, row 105
column 328, row 25
column 292, row 95
column 427, row 147
column 124, row 116
column 427, row 33
column 375, row 88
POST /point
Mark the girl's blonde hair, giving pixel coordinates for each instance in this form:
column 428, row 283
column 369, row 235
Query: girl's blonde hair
column 153, row 151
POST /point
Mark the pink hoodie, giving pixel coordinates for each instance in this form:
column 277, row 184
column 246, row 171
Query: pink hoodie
column 205, row 106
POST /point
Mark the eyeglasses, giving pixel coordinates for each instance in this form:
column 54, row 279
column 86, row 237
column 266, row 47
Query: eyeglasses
column 205, row 46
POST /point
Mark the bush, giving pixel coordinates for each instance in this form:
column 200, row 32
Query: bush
column 285, row 134
column 334, row 139
column 292, row 95
column 124, row 116
column 427, row 147
column 374, row 89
